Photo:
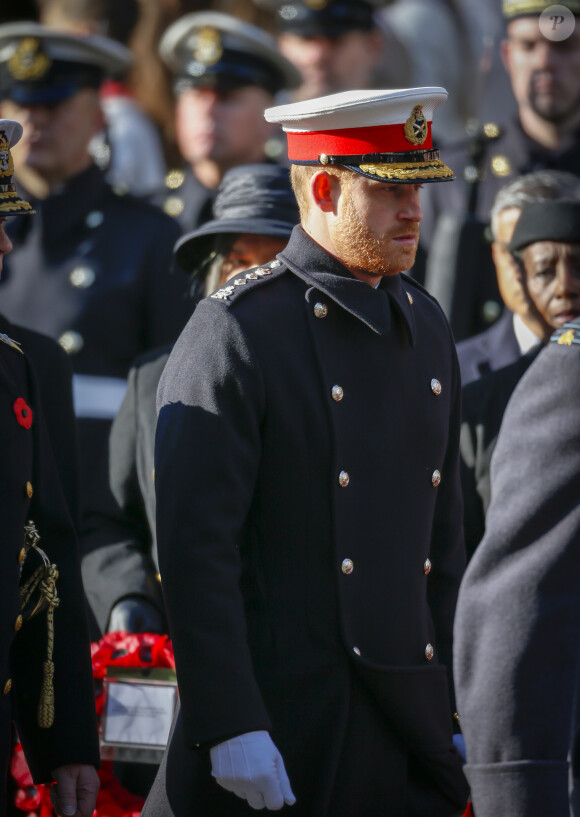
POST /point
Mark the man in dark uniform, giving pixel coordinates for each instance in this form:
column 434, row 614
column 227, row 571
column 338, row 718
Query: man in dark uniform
column 45, row 673
column 226, row 73
column 254, row 213
column 92, row 271
column 336, row 45
column 308, row 500
column 545, row 77
column 518, row 615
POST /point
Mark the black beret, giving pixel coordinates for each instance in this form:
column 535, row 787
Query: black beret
column 255, row 199
column 547, row 221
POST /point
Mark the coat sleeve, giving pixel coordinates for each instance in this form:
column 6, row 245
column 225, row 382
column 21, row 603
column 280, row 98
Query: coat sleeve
column 73, row 736
column 518, row 615
column 211, row 400
column 116, row 541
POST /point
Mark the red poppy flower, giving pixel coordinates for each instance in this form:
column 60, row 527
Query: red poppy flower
column 23, row 412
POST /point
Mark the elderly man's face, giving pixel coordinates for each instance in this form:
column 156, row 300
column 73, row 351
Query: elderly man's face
column 56, row 138
column 227, row 127
column 553, row 280
column 545, row 75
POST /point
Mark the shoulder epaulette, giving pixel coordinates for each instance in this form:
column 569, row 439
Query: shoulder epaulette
column 9, row 342
column 257, row 274
column 567, row 335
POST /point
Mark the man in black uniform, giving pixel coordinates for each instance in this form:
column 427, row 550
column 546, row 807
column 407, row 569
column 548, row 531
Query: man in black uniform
column 545, row 77
column 226, row 73
column 254, row 213
column 518, row 616
column 92, row 271
column 308, row 500
column 45, row 666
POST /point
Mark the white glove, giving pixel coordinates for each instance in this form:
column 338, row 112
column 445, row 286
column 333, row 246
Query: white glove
column 251, row 767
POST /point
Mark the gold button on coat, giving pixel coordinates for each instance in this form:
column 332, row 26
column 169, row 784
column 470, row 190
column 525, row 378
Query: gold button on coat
column 427, row 566
column 82, row 277
column 337, row 393
column 320, row 310
column 436, row 387
column 18, row 623
column 429, row 652
column 347, row 566
column 436, row 478
column 29, row 490
column 7, row 686
column 343, row 479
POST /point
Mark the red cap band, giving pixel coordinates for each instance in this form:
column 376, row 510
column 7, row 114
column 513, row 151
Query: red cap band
column 352, row 142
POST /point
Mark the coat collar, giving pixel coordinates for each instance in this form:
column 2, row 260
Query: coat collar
column 374, row 307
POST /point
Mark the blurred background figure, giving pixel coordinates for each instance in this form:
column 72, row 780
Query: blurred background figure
column 92, row 270
column 129, row 148
column 549, row 275
column 226, row 72
column 544, row 74
column 253, row 215
column 336, row 45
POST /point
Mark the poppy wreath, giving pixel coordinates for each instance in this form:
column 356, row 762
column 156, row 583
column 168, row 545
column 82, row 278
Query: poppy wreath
column 23, row 412
column 118, row 649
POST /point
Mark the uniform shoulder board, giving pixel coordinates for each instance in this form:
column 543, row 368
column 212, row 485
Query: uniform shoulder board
column 567, row 335
column 9, row 342
column 240, row 283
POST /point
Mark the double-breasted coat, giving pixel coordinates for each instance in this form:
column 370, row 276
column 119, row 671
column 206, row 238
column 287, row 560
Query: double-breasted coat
column 309, row 536
column 517, row 670
column 30, row 491
column 92, row 271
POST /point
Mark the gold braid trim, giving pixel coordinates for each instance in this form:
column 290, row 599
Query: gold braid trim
column 46, row 704
column 17, row 204
column 410, row 170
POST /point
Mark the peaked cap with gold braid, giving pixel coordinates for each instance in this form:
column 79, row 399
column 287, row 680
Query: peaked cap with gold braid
column 383, row 135
column 10, row 202
column 532, row 8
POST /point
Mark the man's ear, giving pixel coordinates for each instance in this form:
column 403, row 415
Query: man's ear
column 325, row 190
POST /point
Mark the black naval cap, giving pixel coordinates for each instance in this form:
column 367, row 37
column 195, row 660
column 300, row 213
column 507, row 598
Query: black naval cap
column 325, row 18
column 214, row 50
column 512, row 9
column 255, row 199
column 43, row 66
column 556, row 220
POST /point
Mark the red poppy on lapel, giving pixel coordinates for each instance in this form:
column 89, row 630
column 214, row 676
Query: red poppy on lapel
column 23, row 412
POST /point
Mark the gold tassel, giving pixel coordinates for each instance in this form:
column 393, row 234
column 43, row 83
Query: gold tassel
column 46, row 702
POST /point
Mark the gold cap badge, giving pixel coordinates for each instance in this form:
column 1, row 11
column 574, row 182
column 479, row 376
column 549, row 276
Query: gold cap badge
column 208, row 46
column 416, row 130
column 28, row 61
column 6, row 161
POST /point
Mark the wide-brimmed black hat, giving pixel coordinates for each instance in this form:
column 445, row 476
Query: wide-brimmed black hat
column 215, row 50
column 256, row 199
column 42, row 66
column 556, row 220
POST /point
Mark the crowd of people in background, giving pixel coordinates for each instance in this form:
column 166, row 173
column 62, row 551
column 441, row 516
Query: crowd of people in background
column 144, row 178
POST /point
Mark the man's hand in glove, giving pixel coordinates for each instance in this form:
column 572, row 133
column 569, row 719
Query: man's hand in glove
column 135, row 614
column 251, row 767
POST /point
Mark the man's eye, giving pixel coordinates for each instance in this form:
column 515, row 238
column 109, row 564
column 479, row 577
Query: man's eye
column 545, row 272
